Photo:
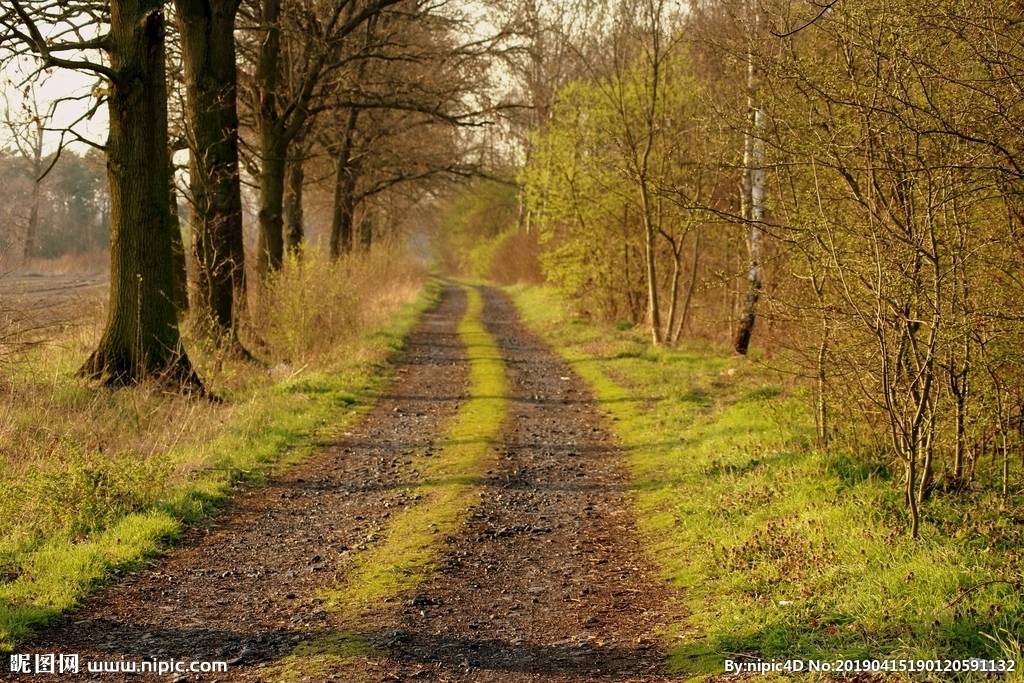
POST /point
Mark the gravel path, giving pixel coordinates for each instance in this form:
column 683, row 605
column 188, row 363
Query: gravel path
column 243, row 590
column 545, row 581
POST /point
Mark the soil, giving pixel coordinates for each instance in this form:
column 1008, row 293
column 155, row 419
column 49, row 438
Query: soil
column 37, row 306
column 546, row 580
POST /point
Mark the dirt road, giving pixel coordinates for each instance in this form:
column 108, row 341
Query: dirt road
column 544, row 579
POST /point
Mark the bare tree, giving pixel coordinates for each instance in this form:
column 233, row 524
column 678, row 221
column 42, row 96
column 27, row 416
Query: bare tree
column 140, row 339
column 27, row 129
column 297, row 53
column 208, row 49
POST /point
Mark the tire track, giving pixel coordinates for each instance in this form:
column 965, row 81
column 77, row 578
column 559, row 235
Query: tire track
column 245, row 589
column 546, row 581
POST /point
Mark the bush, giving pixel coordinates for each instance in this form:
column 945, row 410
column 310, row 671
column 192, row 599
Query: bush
column 313, row 306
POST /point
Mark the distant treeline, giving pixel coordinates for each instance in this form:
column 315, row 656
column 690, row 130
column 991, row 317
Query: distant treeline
column 67, row 214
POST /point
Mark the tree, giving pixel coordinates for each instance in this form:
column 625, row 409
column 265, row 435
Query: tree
column 208, row 49
column 753, row 185
column 140, row 339
column 28, row 133
column 411, row 87
column 298, row 49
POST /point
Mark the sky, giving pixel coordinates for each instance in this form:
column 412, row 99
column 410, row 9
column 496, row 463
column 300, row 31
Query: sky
column 55, row 83
column 59, row 83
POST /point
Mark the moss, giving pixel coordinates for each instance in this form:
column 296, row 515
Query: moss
column 331, row 653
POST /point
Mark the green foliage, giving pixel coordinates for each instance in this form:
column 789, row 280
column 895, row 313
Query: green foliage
column 888, row 264
column 88, row 492
column 776, row 549
column 471, row 221
column 590, row 168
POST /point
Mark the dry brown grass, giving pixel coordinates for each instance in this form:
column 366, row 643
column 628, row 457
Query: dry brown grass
column 310, row 310
column 75, row 458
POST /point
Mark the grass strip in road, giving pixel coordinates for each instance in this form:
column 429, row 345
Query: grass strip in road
column 778, row 549
column 280, row 425
column 449, row 485
column 450, row 480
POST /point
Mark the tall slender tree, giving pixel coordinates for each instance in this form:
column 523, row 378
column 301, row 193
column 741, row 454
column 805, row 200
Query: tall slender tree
column 753, row 187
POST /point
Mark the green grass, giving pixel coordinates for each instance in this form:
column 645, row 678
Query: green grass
column 776, row 549
column 449, row 485
column 76, row 518
column 315, row 658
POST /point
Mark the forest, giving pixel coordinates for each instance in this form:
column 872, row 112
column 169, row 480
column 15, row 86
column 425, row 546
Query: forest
column 481, row 340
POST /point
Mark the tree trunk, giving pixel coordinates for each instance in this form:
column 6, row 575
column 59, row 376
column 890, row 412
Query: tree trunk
column 684, row 319
column 650, row 262
column 925, row 486
column 178, row 265
column 754, row 168
column 208, row 48
column 677, row 270
column 821, row 409
column 748, row 316
column 270, row 250
column 345, row 177
column 1004, row 447
column 366, row 231
column 140, row 339
column 959, row 385
column 343, row 215
column 915, row 515
column 294, row 228
column 32, row 229
column 273, row 143
column 33, row 221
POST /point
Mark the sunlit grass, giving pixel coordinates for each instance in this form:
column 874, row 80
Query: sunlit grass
column 316, row 658
column 94, row 480
column 779, row 550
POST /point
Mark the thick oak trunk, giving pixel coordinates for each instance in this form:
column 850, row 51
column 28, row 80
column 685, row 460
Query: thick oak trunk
column 208, row 49
column 140, row 339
